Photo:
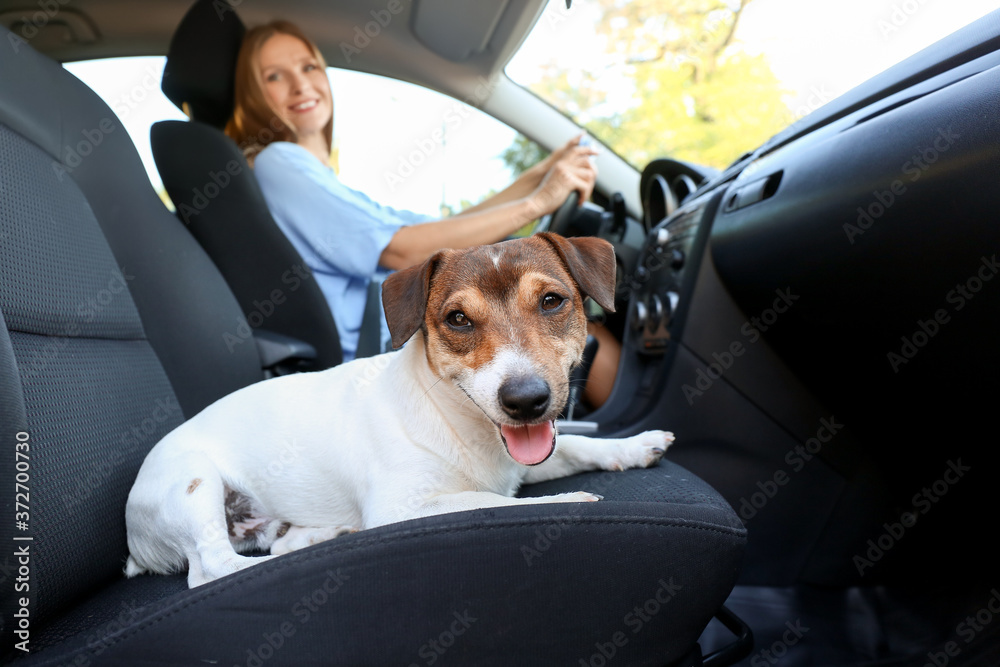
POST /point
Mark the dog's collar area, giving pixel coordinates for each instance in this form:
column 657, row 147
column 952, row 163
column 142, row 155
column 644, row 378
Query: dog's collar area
column 529, row 444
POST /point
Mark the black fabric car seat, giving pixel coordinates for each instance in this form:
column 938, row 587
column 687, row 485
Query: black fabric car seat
column 217, row 196
column 114, row 323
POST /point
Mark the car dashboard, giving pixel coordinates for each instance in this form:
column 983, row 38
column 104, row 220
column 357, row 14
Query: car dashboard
column 817, row 325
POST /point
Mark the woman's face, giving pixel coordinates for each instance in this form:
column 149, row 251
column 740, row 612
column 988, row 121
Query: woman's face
column 295, row 85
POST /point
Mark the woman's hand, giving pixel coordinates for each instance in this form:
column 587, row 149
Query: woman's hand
column 537, row 172
column 567, row 169
column 560, row 153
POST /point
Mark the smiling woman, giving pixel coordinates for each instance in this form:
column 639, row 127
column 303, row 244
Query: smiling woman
column 283, row 120
column 283, row 93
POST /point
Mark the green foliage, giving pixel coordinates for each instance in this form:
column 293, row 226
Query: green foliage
column 528, row 150
column 696, row 95
column 521, row 155
column 733, row 110
column 467, row 203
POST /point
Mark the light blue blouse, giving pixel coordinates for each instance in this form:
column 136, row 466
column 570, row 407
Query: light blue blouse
column 339, row 232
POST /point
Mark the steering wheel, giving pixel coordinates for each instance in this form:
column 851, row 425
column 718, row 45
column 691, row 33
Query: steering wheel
column 559, row 221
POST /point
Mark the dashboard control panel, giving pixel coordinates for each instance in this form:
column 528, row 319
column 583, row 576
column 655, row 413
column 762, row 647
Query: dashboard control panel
column 658, row 277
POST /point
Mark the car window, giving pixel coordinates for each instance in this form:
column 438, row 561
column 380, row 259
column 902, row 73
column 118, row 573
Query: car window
column 708, row 80
column 409, row 147
column 403, row 145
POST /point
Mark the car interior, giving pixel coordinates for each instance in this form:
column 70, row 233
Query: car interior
column 816, row 323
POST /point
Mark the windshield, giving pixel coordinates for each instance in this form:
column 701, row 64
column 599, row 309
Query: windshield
column 708, row 80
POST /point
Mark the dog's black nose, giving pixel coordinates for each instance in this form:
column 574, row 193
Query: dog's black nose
column 525, row 397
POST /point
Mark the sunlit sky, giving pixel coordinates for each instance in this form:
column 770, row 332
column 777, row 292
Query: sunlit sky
column 835, row 46
column 818, row 49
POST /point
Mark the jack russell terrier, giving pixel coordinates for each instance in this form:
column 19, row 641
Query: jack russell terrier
column 457, row 420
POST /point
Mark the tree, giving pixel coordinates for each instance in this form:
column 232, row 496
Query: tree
column 522, row 154
column 695, row 93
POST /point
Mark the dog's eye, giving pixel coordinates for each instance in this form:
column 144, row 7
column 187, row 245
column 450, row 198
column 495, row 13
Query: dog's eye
column 552, row 301
column 457, row 319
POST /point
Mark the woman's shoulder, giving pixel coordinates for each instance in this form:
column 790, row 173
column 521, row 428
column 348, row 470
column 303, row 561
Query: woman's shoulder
column 284, row 164
column 284, row 155
column 283, row 152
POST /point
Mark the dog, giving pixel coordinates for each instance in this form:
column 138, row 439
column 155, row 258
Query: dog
column 458, row 419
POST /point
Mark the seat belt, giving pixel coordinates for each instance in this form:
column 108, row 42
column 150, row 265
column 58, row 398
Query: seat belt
column 370, row 335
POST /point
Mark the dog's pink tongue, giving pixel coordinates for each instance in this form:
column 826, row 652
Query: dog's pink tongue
column 529, row 445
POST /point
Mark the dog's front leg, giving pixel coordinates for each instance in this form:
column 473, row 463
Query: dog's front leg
column 578, row 453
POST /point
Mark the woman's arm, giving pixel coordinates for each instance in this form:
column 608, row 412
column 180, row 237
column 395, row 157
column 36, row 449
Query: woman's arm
column 525, row 200
column 413, row 244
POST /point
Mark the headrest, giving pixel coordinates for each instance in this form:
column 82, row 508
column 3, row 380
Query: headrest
column 201, row 63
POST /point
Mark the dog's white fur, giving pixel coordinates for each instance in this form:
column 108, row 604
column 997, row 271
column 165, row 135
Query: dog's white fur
column 308, row 457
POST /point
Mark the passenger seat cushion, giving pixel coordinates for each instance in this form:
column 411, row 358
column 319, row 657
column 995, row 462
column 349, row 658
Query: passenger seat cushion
column 531, row 585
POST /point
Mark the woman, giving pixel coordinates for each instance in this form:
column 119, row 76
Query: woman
column 283, row 119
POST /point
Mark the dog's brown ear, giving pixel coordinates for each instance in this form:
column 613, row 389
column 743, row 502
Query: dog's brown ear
column 404, row 299
column 591, row 262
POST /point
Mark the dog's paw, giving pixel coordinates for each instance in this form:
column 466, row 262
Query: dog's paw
column 576, row 497
column 640, row 451
column 297, row 537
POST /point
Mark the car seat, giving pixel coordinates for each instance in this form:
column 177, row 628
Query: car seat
column 114, row 332
column 217, row 197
